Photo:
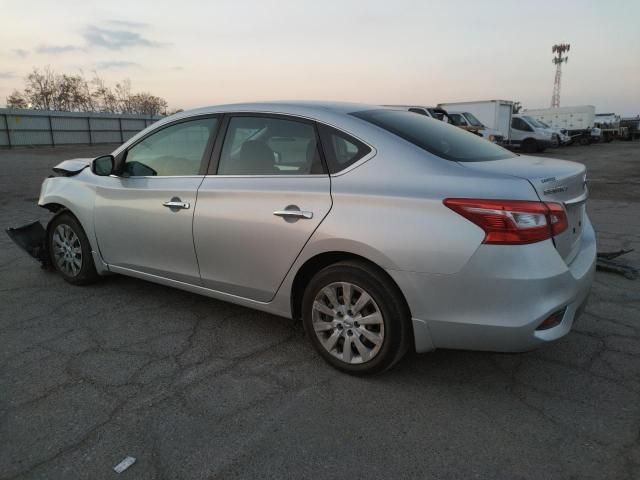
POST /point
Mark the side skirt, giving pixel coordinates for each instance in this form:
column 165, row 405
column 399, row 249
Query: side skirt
column 268, row 307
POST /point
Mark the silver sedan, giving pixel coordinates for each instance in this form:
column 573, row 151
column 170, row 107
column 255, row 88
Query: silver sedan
column 380, row 229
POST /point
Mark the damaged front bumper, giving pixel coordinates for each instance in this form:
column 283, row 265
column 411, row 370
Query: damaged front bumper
column 32, row 238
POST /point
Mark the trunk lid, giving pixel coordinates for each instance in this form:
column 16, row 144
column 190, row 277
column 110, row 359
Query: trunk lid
column 558, row 181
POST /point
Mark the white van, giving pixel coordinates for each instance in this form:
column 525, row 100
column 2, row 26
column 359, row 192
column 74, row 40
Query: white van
column 528, row 135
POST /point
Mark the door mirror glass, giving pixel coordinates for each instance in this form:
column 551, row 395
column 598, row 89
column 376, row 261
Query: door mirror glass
column 103, row 166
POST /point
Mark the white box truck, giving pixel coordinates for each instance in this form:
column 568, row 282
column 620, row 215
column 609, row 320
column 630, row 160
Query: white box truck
column 494, row 114
column 579, row 120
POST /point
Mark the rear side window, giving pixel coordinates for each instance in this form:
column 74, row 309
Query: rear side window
column 270, row 146
column 438, row 138
column 341, row 150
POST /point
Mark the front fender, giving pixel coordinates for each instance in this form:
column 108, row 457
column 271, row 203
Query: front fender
column 77, row 196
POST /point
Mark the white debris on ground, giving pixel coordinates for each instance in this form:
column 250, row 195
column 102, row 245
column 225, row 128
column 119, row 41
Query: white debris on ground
column 124, row 464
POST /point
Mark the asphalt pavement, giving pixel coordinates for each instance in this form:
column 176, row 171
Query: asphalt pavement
column 197, row 388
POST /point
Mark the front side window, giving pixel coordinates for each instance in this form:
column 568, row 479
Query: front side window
column 438, row 138
column 176, row 150
column 520, row 124
column 269, row 146
column 457, row 119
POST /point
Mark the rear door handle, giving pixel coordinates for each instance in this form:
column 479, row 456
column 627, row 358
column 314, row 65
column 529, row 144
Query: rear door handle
column 176, row 204
column 293, row 212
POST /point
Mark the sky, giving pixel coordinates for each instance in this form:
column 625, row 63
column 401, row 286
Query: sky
column 197, row 53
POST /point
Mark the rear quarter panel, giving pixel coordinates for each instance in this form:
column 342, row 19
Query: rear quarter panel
column 391, row 208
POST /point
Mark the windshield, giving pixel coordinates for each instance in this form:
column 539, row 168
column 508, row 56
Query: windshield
column 473, row 120
column 543, row 124
column 439, row 138
column 534, row 122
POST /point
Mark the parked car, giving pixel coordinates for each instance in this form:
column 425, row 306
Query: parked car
column 579, row 121
column 560, row 135
column 432, row 112
column 381, row 229
column 469, row 122
column 494, row 114
column 528, row 135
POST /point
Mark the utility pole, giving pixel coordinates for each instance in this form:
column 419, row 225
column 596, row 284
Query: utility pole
column 558, row 60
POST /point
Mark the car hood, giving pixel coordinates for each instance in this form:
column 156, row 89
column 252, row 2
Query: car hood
column 72, row 167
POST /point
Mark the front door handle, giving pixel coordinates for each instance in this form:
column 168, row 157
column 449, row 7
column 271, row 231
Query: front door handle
column 293, row 212
column 176, row 204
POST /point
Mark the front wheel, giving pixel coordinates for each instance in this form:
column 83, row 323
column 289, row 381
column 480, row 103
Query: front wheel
column 70, row 250
column 356, row 318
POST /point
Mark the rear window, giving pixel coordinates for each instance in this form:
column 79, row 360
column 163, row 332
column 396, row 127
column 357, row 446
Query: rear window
column 439, row 138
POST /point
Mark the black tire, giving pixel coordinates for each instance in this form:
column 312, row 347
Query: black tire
column 86, row 273
column 585, row 141
column 529, row 146
column 387, row 297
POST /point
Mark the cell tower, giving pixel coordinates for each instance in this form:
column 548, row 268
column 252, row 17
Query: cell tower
column 558, row 60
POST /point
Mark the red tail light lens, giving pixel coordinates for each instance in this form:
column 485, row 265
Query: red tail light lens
column 512, row 222
column 557, row 218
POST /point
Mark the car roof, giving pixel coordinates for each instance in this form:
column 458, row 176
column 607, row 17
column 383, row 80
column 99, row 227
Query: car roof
column 331, row 113
column 409, row 106
column 299, row 107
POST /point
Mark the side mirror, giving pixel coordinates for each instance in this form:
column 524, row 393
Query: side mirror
column 103, row 165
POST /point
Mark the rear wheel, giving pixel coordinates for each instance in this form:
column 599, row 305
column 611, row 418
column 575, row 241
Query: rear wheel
column 356, row 318
column 530, row 146
column 70, row 250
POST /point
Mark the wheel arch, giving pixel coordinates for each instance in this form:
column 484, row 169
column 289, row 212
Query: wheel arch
column 314, row 264
column 58, row 205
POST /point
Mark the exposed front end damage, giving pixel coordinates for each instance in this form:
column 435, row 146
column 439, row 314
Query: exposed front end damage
column 32, row 238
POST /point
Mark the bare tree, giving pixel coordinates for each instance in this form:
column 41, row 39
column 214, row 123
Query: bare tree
column 147, row 104
column 47, row 90
column 40, row 89
column 17, row 100
column 103, row 96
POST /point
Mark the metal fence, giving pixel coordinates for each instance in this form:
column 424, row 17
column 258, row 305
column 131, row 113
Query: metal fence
column 37, row 127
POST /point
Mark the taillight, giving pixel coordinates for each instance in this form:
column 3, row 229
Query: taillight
column 512, row 222
column 557, row 218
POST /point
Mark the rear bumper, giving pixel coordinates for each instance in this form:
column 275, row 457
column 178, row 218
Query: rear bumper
column 501, row 296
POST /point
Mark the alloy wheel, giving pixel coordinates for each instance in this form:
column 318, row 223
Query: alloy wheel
column 67, row 250
column 348, row 322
